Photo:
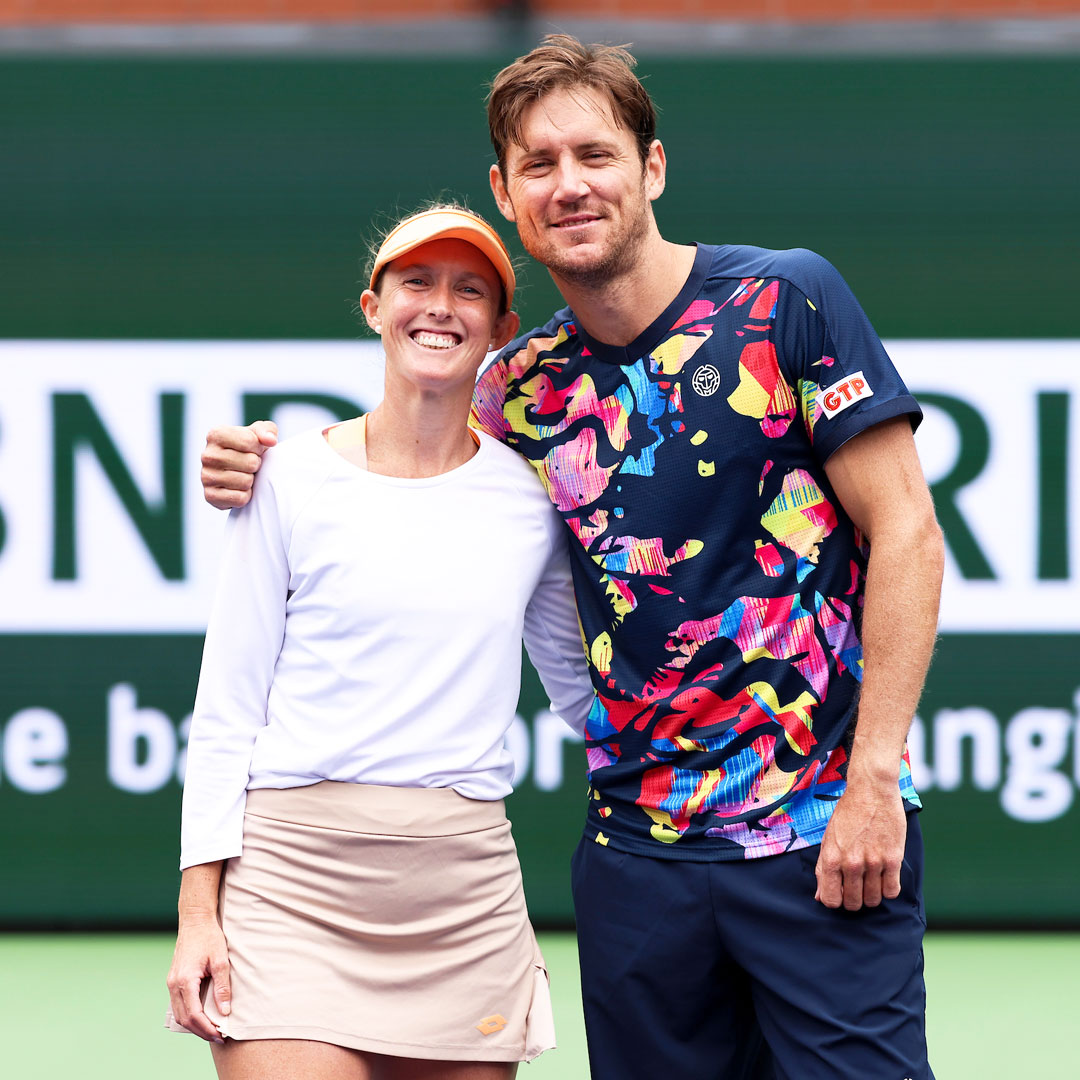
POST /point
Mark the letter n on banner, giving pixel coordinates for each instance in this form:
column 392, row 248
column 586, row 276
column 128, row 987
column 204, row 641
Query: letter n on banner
column 77, row 426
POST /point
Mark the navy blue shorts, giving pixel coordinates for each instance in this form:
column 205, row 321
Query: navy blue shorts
column 733, row 971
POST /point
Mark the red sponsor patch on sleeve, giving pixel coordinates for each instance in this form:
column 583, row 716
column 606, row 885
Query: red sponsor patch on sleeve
column 836, row 398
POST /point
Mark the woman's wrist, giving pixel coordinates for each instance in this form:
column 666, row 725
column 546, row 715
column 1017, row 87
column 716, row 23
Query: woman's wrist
column 197, row 917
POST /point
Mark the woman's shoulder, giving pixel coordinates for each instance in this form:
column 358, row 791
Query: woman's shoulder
column 297, row 462
column 503, row 458
column 517, row 476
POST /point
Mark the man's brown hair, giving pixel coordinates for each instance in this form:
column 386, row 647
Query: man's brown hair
column 561, row 62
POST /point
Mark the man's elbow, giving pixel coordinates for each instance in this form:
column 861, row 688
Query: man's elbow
column 912, row 535
column 929, row 542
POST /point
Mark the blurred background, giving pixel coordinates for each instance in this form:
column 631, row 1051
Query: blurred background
column 187, row 188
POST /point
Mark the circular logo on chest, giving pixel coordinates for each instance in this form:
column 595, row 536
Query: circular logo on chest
column 706, row 380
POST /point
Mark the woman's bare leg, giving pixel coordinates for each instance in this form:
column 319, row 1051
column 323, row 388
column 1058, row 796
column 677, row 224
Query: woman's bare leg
column 289, row 1059
column 393, row 1068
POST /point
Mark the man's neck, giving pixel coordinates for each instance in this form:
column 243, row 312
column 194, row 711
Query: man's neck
column 619, row 310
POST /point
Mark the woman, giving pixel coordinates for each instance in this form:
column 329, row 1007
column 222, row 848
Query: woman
column 351, row 901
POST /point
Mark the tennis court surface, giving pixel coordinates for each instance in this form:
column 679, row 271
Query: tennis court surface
column 1000, row 1007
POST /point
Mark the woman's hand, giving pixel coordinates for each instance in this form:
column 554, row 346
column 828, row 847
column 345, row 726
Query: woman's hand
column 201, row 953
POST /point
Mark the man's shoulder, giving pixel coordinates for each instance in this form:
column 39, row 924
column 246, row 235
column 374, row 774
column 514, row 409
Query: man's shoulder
column 808, row 271
column 556, row 331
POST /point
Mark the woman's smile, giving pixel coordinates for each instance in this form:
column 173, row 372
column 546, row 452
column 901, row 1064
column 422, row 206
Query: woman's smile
column 431, row 340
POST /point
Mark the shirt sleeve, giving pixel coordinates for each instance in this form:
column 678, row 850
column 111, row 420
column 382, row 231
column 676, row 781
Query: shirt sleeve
column 243, row 640
column 829, row 351
column 552, row 635
column 489, row 399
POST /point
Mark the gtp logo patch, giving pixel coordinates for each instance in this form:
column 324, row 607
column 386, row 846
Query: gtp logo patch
column 836, row 398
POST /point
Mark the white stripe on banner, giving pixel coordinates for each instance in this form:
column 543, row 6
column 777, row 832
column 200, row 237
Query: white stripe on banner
column 103, row 527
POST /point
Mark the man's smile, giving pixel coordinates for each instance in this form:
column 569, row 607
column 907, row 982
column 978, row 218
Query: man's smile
column 576, row 221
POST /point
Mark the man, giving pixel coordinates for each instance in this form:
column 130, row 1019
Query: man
column 757, row 560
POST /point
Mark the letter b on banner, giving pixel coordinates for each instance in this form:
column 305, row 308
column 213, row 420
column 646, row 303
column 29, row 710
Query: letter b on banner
column 142, row 743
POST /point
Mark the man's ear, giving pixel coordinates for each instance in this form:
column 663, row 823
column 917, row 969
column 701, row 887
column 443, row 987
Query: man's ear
column 505, row 329
column 655, row 170
column 502, row 197
column 369, row 305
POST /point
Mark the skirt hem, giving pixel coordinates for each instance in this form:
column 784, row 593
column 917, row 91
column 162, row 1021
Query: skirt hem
column 372, row 1045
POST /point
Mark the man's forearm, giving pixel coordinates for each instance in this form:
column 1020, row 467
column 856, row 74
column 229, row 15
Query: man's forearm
column 879, row 481
column 903, row 588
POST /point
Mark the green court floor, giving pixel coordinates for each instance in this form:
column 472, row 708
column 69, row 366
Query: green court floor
column 1001, row 1007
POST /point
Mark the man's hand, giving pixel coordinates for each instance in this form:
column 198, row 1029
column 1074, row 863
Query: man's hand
column 201, row 952
column 230, row 461
column 863, row 846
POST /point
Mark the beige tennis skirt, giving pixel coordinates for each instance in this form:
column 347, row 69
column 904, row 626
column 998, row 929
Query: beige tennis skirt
column 390, row 920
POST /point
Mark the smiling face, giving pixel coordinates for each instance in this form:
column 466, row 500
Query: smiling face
column 437, row 309
column 577, row 188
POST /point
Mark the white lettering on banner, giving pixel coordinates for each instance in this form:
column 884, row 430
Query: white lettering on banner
column 550, row 732
column 145, row 751
column 1031, row 759
column 1036, row 742
column 980, row 727
column 1025, row 759
column 35, row 743
column 103, row 527
column 142, row 743
column 102, row 522
column 542, row 752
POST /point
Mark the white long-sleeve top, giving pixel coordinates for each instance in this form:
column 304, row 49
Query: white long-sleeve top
column 368, row 629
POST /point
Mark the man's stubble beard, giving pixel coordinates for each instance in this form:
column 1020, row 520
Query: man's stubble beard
column 621, row 257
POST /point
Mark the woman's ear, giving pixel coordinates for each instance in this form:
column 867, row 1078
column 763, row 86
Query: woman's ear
column 505, row 328
column 369, row 305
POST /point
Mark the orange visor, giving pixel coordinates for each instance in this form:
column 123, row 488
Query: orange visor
column 446, row 224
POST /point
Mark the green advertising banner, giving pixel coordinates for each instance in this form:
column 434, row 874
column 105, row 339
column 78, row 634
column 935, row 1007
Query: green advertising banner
column 107, row 568
column 178, row 196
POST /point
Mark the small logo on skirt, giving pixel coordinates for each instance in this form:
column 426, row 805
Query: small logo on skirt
column 490, row 1024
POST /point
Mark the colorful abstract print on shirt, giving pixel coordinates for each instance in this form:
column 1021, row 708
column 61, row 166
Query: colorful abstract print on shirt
column 718, row 582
